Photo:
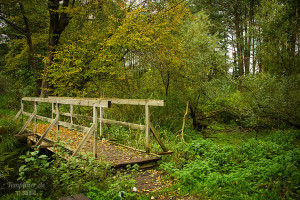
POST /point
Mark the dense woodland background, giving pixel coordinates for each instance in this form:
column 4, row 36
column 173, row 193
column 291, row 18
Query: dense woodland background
column 232, row 63
column 231, row 60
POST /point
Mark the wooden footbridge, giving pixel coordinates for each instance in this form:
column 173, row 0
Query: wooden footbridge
column 91, row 139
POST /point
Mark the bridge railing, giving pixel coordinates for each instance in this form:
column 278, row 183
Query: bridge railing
column 96, row 103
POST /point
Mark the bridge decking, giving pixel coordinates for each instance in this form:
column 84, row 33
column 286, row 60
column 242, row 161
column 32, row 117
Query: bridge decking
column 115, row 154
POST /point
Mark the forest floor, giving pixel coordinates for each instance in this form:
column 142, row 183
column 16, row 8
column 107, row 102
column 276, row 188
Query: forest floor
column 156, row 184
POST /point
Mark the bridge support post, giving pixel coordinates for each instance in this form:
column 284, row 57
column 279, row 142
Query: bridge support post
column 52, row 107
column 35, row 110
column 100, row 121
column 57, row 124
column 95, row 131
column 71, row 114
column 22, row 110
column 147, row 128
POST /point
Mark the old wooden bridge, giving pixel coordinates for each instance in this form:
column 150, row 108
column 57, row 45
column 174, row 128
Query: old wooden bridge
column 86, row 139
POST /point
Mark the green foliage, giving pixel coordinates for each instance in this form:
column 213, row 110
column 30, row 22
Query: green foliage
column 79, row 175
column 4, row 167
column 8, row 128
column 119, row 189
column 277, row 52
column 266, row 168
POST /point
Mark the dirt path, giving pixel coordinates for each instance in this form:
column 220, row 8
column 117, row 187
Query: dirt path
column 153, row 183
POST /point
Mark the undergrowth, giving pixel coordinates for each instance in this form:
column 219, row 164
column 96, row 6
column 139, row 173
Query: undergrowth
column 266, row 168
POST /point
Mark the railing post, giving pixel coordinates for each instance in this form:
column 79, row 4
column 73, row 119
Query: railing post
column 71, row 114
column 35, row 110
column 95, row 132
column 147, row 121
column 52, row 106
column 100, row 122
column 57, row 124
column 22, row 110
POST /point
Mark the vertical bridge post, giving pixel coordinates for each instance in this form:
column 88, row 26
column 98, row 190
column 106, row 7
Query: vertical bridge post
column 147, row 128
column 22, row 110
column 57, row 124
column 35, row 110
column 52, row 111
column 95, row 132
column 100, row 121
column 71, row 114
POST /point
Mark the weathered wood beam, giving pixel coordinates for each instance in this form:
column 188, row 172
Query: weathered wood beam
column 108, row 121
column 47, row 131
column 71, row 114
column 79, row 102
column 156, row 135
column 22, row 108
column 95, row 131
column 125, row 124
column 147, row 123
column 150, row 102
column 24, row 135
column 164, row 153
column 84, row 140
column 101, row 122
column 18, row 114
column 50, row 141
column 35, row 122
column 27, row 123
column 142, row 102
column 61, row 123
column 76, row 116
column 44, row 146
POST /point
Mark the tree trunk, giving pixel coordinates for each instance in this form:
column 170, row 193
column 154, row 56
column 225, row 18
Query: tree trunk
column 58, row 22
column 247, row 50
column 249, row 40
column 31, row 49
column 238, row 35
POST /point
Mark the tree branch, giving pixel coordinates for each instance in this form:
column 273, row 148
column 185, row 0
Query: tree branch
column 12, row 24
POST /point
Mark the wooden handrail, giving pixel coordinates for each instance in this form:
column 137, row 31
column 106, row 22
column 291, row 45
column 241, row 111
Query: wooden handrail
column 149, row 102
column 95, row 102
column 79, row 102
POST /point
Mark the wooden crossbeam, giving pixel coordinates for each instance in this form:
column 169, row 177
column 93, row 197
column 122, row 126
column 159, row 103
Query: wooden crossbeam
column 84, row 140
column 125, row 124
column 24, row 135
column 27, row 123
column 18, row 114
column 157, row 137
column 61, row 123
column 47, row 131
column 106, row 121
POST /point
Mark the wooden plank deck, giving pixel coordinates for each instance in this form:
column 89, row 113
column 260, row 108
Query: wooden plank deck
column 115, row 154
